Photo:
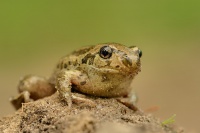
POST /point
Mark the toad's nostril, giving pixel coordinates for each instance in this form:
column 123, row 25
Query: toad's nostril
column 127, row 61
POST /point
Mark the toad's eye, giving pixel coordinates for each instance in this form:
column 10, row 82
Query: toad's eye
column 140, row 53
column 105, row 52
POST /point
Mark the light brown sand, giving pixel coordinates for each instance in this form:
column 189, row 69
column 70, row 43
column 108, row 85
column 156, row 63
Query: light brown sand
column 105, row 116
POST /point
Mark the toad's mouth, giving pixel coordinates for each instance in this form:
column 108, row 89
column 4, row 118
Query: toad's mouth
column 123, row 71
column 105, row 70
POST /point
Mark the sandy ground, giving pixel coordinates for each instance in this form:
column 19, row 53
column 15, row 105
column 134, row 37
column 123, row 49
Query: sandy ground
column 98, row 116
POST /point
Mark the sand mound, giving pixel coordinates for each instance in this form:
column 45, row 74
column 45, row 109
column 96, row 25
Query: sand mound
column 52, row 115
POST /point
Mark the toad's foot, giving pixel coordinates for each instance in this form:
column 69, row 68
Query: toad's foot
column 81, row 99
column 130, row 102
column 23, row 97
column 32, row 88
column 127, row 103
column 76, row 99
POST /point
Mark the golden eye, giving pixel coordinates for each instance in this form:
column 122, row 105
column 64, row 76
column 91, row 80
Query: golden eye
column 105, row 52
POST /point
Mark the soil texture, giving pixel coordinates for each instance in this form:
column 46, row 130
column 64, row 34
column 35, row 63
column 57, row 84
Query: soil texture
column 101, row 115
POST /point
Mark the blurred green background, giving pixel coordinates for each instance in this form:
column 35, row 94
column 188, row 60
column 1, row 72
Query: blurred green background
column 35, row 34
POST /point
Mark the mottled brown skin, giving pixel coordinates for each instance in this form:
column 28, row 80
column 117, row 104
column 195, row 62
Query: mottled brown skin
column 92, row 73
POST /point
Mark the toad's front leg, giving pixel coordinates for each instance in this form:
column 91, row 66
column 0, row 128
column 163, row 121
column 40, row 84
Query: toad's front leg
column 64, row 82
column 64, row 85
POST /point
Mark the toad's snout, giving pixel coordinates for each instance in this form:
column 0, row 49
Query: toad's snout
column 132, row 59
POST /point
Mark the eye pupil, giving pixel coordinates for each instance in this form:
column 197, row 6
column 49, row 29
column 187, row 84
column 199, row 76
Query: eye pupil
column 105, row 52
